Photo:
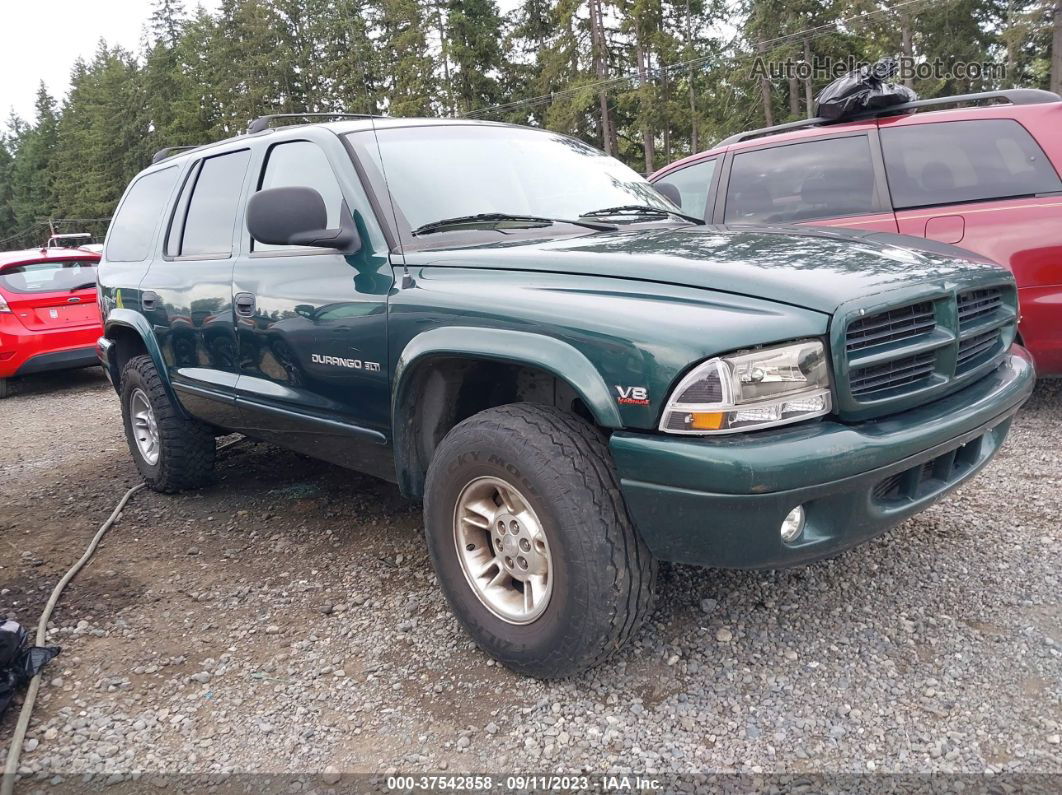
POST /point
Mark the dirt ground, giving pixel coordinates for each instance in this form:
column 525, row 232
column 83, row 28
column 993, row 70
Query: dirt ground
column 287, row 618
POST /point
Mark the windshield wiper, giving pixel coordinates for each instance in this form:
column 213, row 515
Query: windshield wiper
column 84, row 286
column 639, row 209
column 479, row 218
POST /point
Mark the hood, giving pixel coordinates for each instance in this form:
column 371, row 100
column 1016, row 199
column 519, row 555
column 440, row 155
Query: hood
column 811, row 268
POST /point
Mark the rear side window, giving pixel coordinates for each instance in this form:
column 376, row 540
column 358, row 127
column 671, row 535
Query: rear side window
column 134, row 226
column 800, row 182
column 688, row 187
column 46, row 277
column 205, row 220
column 302, row 164
column 964, row 161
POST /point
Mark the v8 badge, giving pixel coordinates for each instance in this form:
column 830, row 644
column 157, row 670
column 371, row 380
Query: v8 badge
column 632, row 395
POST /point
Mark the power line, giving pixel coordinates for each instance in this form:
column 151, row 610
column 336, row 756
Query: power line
column 809, row 33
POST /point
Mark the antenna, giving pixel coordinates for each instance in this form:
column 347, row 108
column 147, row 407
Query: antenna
column 407, row 279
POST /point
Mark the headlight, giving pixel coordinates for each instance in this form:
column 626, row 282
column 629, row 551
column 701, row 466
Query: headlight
column 745, row 391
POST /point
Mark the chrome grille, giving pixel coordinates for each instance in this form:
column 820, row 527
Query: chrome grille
column 894, row 325
column 908, row 371
column 977, row 304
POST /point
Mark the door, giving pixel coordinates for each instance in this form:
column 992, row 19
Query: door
column 187, row 293
column 832, row 181
column 987, row 186
column 312, row 323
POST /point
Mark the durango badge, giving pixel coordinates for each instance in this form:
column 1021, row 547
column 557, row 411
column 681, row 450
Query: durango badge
column 632, row 395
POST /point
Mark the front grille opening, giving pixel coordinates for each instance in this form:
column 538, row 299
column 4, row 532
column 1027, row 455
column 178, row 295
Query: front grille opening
column 930, row 477
column 976, row 350
column 889, row 490
column 905, row 372
column 894, row 325
column 977, row 304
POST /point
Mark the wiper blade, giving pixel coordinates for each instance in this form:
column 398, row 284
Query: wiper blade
column 84, row 286
column 640, row 209
column 465, row 220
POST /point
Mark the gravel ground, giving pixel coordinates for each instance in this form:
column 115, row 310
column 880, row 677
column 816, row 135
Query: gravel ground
column 287, row 619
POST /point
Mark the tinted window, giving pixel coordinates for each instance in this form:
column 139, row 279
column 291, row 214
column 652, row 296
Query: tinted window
column 45, row 277
column 688, row 187
column 211, row 213
column 800, row 182
column 302, row 164
column 964, row 161
column 134, row 226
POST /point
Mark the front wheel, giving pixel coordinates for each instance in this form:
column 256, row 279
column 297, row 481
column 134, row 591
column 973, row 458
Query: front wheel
column 531, row 540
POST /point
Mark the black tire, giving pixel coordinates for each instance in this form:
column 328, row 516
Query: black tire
column 5, row 387
column 603, row 573
column 186, row 446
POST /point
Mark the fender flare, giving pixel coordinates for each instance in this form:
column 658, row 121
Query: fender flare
column 127, row 318
column 503, row 345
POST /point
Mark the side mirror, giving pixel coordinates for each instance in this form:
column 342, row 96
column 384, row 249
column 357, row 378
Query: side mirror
column 669, row 191
column 297, row 216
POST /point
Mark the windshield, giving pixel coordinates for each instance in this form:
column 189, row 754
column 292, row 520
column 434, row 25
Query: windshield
column 50, row 276
column 442, row 171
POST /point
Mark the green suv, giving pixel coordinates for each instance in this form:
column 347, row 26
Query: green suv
column 576, row 379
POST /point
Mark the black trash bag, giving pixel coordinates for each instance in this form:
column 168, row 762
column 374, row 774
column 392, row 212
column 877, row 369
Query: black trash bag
column 861, row 91
column 19, row 662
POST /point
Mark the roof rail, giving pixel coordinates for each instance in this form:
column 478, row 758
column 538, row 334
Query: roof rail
column 262, row 122
column 166, row 151
column 1014, row 96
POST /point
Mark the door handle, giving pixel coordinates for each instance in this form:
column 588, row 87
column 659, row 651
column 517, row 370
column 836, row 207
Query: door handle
column 148, row 299
column 244, row 304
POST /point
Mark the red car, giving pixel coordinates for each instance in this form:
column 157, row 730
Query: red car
column 49, row 319
column 985, row 178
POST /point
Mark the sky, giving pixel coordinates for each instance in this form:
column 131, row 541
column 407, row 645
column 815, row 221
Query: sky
column 41, row 39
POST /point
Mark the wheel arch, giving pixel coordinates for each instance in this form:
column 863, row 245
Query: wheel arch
column 447, row 374
column 132, row 336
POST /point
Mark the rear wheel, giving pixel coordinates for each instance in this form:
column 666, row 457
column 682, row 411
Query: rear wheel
column 531, row 540
column 171, row 452
column 5, row 387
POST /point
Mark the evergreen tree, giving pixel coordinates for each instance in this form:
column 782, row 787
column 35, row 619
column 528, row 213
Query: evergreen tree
column 473, row 36
column 406, row 60
column 31, row 185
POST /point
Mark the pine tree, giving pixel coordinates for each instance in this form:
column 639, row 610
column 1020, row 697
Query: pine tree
column 406, row 60
column 31, row 176
column 473, row 44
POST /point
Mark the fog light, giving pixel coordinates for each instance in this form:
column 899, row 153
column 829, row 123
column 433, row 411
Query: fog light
column 793, row 525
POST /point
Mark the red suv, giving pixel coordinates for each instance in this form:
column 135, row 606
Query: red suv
column 49, row 319
column 983, row 177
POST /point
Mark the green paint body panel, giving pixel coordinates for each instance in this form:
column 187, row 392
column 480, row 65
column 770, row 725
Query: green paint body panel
column 326, row 361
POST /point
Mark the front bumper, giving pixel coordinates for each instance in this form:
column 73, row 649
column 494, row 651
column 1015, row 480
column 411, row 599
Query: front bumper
column 721, row 502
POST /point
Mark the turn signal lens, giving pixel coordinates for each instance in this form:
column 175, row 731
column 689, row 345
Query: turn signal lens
column 706, row 421
column 3, row 306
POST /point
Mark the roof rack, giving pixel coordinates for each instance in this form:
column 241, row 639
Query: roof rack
column 166, row 151
column 262, row 122
column 1015, row 96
